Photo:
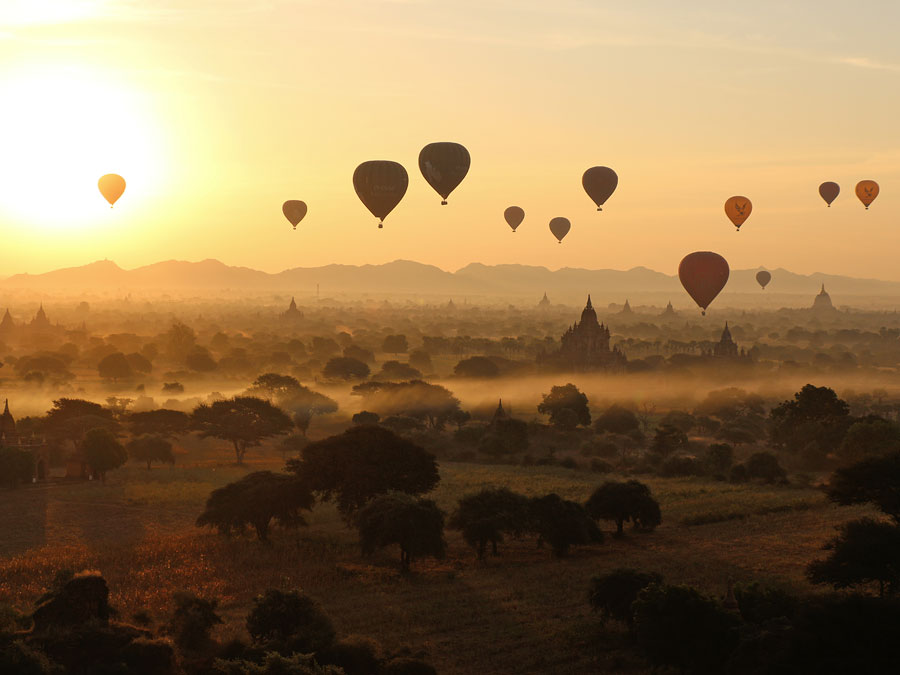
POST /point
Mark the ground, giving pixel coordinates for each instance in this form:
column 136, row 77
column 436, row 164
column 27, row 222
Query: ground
column 521, row 612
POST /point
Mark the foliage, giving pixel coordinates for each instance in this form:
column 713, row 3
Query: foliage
column 613, row 593
column 566, row 397
column 290, row 621
column 244, row 420
column 354, row 654
column 287, row 393
column 428, row 402
column 365, row 417
column 668, row 439
column 115, row 367
column 561, row 523
column 875, row 480
column 416, row 525
column 485, row 517
column 764, row 466
column 504, row 437
column 681, row 420
column 16, row 466
column 395, row 344
column 70, row 418
column 624, row 501
column 275, row 664
column 816, row 415
column 759, row 604
column 394, row 370
column 256, row 500
column 102, row 451
column 160, row 422
column 866, row 551
column 869, row 437
column 345, row 368
column 150, row 449
column 718, row 458
column 477, row 367
column 617, row 420
column 192, row 620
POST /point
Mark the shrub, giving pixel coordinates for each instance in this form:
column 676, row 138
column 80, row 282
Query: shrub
column 562, row 523
column 680, row 466
column 764, row 466
column 601, row 466
column 759, row 604
column 192, row 620
column 290, row 620
column 354, row 654
column 612, row 594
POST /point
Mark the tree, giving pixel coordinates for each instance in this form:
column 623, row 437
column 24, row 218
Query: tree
column 485, row 517
column 866, row 551
column 199, row 360
column 365, row 417
column 180, row 340
column 245, row 421
column 869, row 437
column 504, row 437
column 764, row 466
column 362, row 463
column 612, row 594
column 103, row 452
column 566, row 397
column 416, row 525
column 678, row 626
column 193, row 620
column 345, row 368
column 151, row 449
column 681, row 420
column 359, row 353
column 421, row 360
column 816, row 415
column 161, row 422
column 289, row 621
column 395, row 344
column 624, row 501
column 616, row 420
column 256, row 500
column 875, row 480
column 668, row 440
column 561, row 523
column 70, row 418
column 394, row 370
column 16, row 466
column 139, row 363
column 115, row 367
column 301, row 402
column 718, row 458
column 429, row 402
column 477, row 366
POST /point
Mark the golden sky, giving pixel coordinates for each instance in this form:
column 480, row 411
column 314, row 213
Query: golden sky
column 216, row 111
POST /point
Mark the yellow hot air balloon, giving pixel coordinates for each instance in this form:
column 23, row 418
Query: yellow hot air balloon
column 111, row 186
column 867, row 190
column 738, row 210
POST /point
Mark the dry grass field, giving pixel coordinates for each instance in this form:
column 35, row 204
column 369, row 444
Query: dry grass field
column 520, row 612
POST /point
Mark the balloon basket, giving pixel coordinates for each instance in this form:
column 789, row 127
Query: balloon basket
column 443, row 202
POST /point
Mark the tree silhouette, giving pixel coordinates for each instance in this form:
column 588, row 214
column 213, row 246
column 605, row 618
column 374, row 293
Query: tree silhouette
column 866, row 551
column 150, row 449
column 566, row 397
column 102, row 451
column 875, row 480
column 485, row 517
column 416, row 525
column 115, row 367
column 621, row 502
column 245, row 421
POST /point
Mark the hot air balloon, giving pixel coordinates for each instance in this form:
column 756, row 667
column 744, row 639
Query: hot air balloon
column 514, row 216
column 867, row 190
column 763, row 278
column 294, row 210
column 738, row 210
column 560, row 227
column 829, row 191
column 444, row 166
column 380, row 185
column 599, row 182
column 111, row 186
column 703, row 275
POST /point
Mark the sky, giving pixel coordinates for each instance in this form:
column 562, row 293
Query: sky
column 217, row 111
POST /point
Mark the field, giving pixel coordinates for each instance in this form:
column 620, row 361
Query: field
column 523, row 611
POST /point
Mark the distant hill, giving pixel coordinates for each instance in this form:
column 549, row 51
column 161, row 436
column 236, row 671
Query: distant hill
column 412, row 278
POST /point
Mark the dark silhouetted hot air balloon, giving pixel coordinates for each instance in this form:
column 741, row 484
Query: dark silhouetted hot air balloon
column 444, row 166
column 514, row 217
column 738, row 210
column 829, row 190
column 703, row 275
column 599, row 182
column 560, row 227
column 763, row 278
column 867, row 190
column 294, row 210
column 380, row 185
column 112, row 185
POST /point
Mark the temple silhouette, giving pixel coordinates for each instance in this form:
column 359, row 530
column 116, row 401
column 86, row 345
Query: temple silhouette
column 584, row 347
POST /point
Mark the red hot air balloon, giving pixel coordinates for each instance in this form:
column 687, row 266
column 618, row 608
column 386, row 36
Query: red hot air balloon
column 829, row 190
column 703, row 275
column 514, row 217
column 444, row 165
column 294, row 210
column 560, row 227
column 599, row 182
column 763, row 278
column 380, row 185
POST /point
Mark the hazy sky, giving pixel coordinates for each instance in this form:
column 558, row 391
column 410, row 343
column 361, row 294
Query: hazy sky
column 216, row 111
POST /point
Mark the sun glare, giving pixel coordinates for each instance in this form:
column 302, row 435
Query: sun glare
column 60, row 130
column 28, row 12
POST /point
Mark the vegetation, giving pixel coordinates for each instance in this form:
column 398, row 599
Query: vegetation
column 415, row 525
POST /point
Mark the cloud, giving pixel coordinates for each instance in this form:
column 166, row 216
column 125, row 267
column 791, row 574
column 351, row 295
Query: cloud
column 867, row 63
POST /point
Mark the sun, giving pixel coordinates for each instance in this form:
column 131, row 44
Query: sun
column 63, row 127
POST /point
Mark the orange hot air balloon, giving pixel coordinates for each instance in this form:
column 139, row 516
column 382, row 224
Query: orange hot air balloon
column 444, row 165
column 703, row 275
column 867, row 190
column 514, row 216
column 111, row 186
column 763, row 278
column 738, row 210
column 829, row 190
column 560, row 227
column 294, row 210
column 599, row 182
column 380, row 185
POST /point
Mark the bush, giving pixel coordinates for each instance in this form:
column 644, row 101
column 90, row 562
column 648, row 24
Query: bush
column 275, row 664
column 192, row 620
column 407, row 666
column 759, row 604
column 354, row 654
column 680, row 466
column 617, row 420
column 601, row 466
column 764, row 466
column 145, row 656
column 718, row 459
column 17, row 658
column 290, row 621
column 738, row 474
column 612, row 594
column 562, row 523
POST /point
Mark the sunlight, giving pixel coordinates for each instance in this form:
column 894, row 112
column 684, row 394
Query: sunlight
column 29, row 12
column 61, row 129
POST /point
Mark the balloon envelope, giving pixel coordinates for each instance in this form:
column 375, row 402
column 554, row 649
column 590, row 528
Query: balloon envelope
column 111, row 186
column 738, row 210
column 294, row 210
column 444, row 166
column 514, row 217
column 599, row 182
column 867, row 190
column 829, row 190
column 380, row 185
column 703, row 275
column 560, row 227
column 763, row 278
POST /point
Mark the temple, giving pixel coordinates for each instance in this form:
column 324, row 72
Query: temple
column 292, row 312
column 11, row 438
column 584, row 347
column 823, row 303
